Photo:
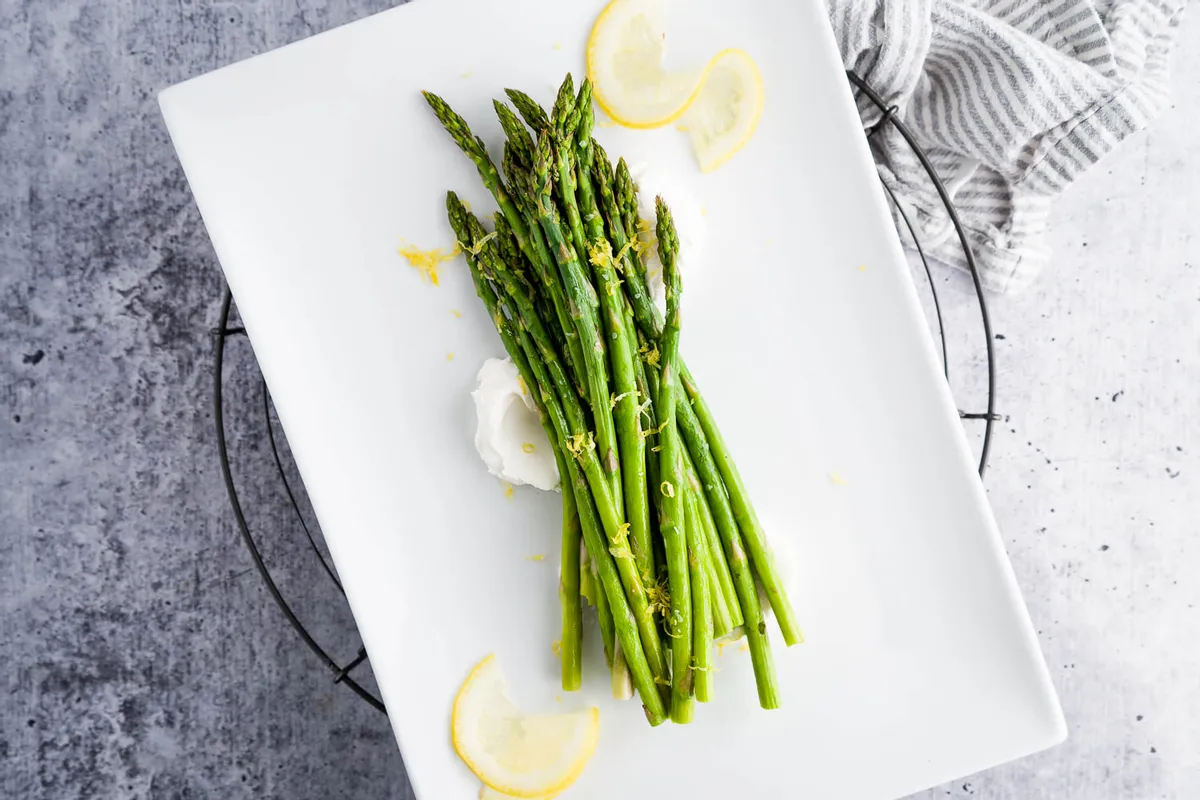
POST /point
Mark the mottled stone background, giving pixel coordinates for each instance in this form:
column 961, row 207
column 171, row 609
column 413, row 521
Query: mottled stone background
column 142, row 657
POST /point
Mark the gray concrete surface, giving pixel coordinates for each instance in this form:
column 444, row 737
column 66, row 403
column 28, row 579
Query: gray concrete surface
column 142, row 657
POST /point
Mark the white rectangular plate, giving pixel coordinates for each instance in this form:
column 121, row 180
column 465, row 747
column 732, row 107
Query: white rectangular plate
column 311, row 163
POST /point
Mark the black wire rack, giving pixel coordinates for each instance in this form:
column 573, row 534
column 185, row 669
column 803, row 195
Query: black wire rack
column 342, row 669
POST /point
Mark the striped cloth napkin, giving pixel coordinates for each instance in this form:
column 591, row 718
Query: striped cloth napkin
column 1012, row 100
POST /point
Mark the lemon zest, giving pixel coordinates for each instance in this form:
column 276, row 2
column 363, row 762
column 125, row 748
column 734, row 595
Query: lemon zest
column 537, row 557
column 621, row 552
column 427, row 261
column 658, row 597
column 581, row 443
column 837, row 479
column 600, row 253
column 478, row 247
column 667, row 489
column 617, row 398
column 654, row 432
column 508, row 491
column 528, row 447
column 449, row 356
column 556, row 648
column 457, row 314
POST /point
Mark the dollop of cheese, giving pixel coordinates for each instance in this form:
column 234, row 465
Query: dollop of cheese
column 509, row 436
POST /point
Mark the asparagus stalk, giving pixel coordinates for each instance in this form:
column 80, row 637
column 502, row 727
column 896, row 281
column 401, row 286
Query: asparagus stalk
column 727, row 612
column 556, row 394
column 566, row 120
column 625, row 625
column 754, row 623
column 531, row 243
column 581, row 310
column 673, row 522
column 569, row 593
column 582, row 446
column 518, row 136
column 569, row 596
column 652, row 324
column 529, row 109
column 747, row 520
column 702, row 607
column 622, row 347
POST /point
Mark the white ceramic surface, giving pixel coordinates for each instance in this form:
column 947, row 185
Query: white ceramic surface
column 311, row 163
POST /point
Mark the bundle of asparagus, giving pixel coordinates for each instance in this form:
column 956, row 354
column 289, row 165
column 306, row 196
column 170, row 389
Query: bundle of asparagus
column 658, row 530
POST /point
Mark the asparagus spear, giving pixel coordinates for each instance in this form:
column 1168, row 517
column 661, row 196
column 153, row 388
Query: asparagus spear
column 672, row 514
column 727, row 612
column 564, row 104
column 651, row 322
column 755, row 624
column 569, row 595
column 581, row 310
column 518, row 135
column 569, row 598
column 567, row 116
column 760, row 551
column 530, row 240
column 529, row 109
column 702, row 608
column 622, row 347
column 557, row 394
column 582, row 446
column 625, row 625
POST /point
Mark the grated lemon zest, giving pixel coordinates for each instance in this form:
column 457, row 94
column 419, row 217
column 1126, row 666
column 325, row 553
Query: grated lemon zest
column 658, row 597
column 521, row 383
column 556, row 648
column 621, row 552
column 667, row 489
column 449, row 356
column 619, row 397
column 457, row 314
column 478, row 248
column 537, row 557
column 528, row 447
column 837, row 479
column 654, row 432
column 581, row 443
column 427, row 261
column 508, row 491
column 600, row 253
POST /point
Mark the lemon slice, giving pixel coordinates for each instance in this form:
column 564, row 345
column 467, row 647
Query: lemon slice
column 488, row 793
column 726, row 113
column 625, row 64
column 515, row 754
